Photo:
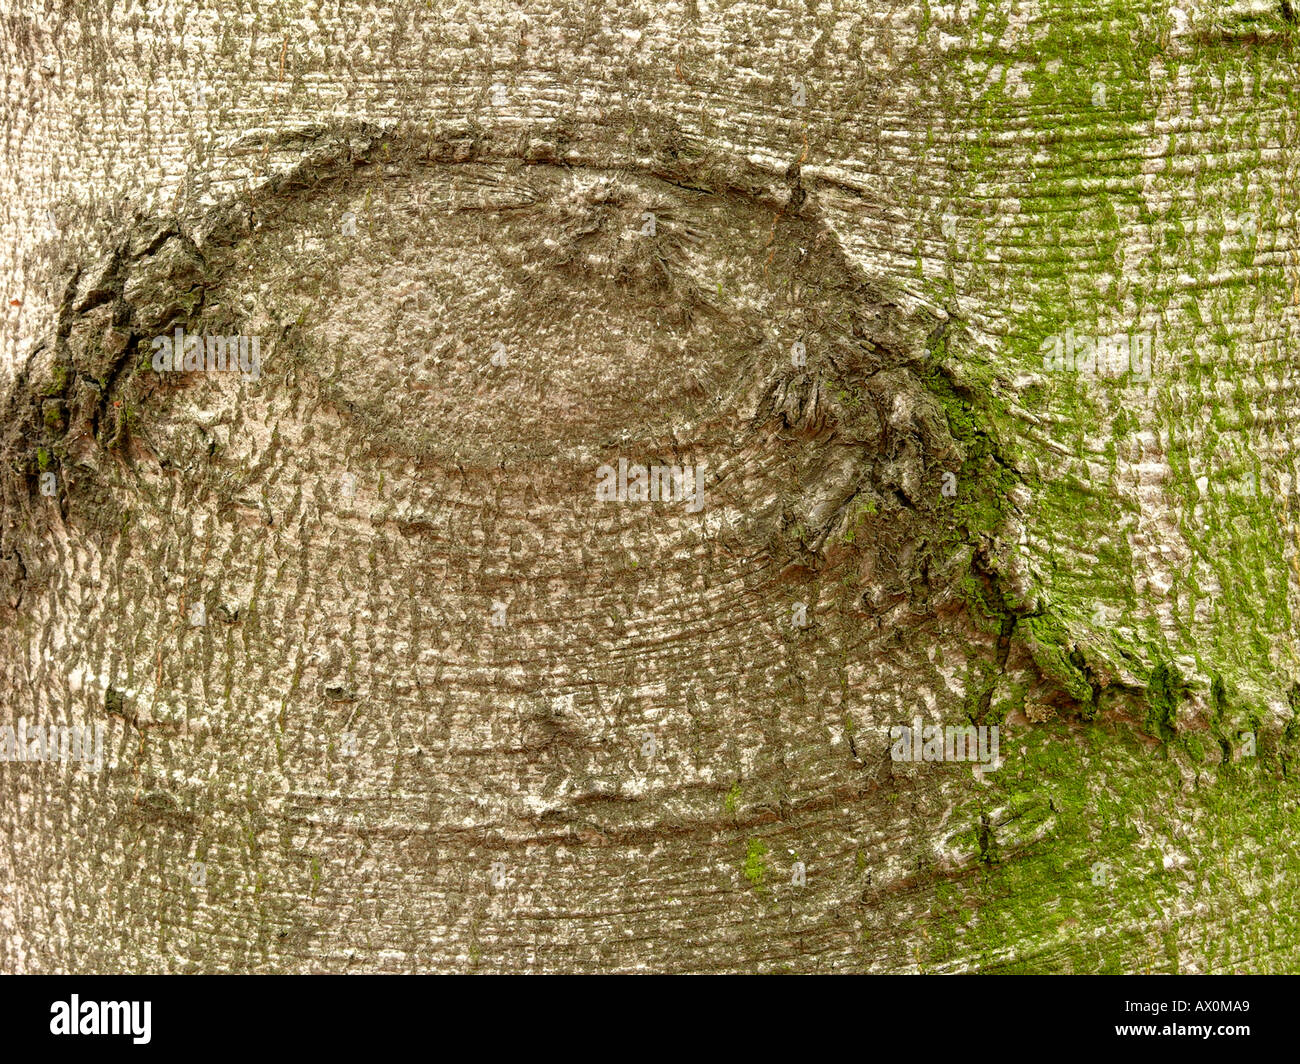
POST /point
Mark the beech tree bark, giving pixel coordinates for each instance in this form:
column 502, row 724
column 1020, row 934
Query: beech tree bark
column 976, row 322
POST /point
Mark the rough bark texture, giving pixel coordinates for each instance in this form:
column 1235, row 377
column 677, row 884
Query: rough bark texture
column 490, row 247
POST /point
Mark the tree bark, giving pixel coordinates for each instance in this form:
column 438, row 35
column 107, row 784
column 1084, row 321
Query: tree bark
column 975, row 326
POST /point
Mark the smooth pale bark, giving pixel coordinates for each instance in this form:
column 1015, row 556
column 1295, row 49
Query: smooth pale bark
column 442, row 707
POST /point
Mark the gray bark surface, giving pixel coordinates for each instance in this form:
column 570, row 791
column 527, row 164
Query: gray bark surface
column 434, row 217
